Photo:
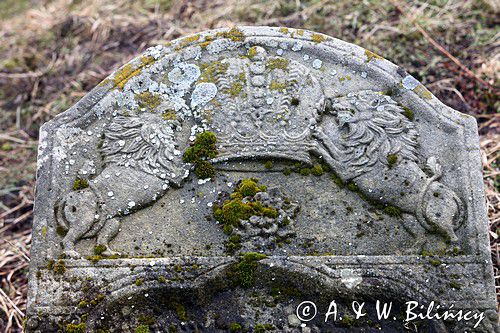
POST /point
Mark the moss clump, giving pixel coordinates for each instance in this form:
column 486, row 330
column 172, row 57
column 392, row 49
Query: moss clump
column 235, row 328
column 261, row 328
column 317, row 170
column 435, row 262
column 204, row 170
column 305, row 171
column 252, row 52
column 188, row 40
column 408, row 113
column 82, row 304
column 138, row 282
column 180, row 311
column 162, row 279
column 147, row 60
column 287, row 171
column 393, row 211
column 455, row 285
column 76, row 328
column 142, row 329
column 295, row 101
column 61, row 231
column 59, row 267
column 317, row 38
column 148, row 100
column 202, row 149
column 392, row 160
column 99, row 249
column 277, row 63
column 146, row 320
column 243, row 273
column 235, row 34
column 347, row 321
column 268, row 165
column 80, row 184
column 234, row 210
column 370, row 55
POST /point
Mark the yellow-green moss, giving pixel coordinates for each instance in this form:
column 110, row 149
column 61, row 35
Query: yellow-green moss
column 76, row 328
column 44, row 231
column 147, row 60
column 392, row 159
column 455, row 285
column 59, row 267
column 370, row 55
column 138, row 282
column 235, row 89
column 408, row 113
column 209, row 72
column 99, row 249
column 148, row 100
column 284, row 30
column 300, row 32
column 261, row 328
column 188, row 40
column 235, row 328
column 82, row 304
column 252, row 52
column 169, row 115
column 435, row 262
column 6, row 147
column 80, row 184
column 234, row 34
column 275, row 85
column 317, row 38
column 234, row 210
column 277, row 63
column 162, row 279
column 392, row 211
column 142, row 329
column 423, row 92
column 268, row 165
column 317, row 170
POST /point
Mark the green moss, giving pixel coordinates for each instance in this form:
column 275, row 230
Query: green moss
column 99, row 249
column 142, row 329
column 243, row 273
column 148, row 100
column 76, row 328
column 82, row 304
column 44, row 231
column 268, row 165
column 59, row 267
column 138, row 282
column 235, row 328
column 162, row 279
column 235, row 89
column 305, row 171
column 295, row 101
column 61, row 231
column 392, row 211
column 188, row 40
column 146, row 320
column 435, row 262
column 252, row 52
column 204, row 170
column 317, row 38
column 408, row 113
column 317, row 170
column 347, row 321
column 337, row 180
column 275, row 85
column 234, row 243
column 455, row 285
column 235, row 34
column 287, row 171
column 80, row 184
column 202, row 149
column 392, row 160
column 277, row 63
column 261, row 328
column 180, row 311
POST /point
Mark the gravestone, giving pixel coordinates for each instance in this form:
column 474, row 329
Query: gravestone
column 225, row 180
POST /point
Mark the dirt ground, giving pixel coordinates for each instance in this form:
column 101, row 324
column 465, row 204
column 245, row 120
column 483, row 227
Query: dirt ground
column 53, row 52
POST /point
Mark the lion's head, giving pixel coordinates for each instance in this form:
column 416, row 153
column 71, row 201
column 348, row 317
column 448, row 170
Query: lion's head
column 368, row 127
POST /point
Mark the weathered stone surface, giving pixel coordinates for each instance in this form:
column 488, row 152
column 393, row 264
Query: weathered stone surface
column 218, row 181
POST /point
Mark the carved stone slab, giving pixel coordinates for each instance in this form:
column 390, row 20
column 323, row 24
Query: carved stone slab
column 216, row 182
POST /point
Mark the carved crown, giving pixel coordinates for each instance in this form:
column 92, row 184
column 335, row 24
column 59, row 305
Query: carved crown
column 267, row 106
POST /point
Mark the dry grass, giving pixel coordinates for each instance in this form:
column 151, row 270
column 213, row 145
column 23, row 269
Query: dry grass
column 52, row 53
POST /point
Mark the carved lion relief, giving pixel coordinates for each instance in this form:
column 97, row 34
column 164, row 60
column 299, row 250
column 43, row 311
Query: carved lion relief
column 278, row 110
